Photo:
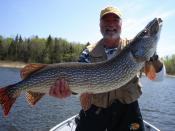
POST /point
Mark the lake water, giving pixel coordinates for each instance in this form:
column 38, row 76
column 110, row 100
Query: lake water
column 157, row 105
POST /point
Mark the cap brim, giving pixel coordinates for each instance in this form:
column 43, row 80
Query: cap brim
column 117, row 14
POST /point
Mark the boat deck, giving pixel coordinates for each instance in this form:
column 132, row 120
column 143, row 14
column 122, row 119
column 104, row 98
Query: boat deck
column 70, row 125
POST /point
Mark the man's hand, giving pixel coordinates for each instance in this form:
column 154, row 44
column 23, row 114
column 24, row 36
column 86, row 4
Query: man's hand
column 60, row 89
column 156, row 62
column 85, row 100
column 149, row 70
column 153, row 66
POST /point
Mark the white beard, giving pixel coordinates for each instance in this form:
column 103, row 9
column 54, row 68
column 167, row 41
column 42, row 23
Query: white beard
column 111, row 35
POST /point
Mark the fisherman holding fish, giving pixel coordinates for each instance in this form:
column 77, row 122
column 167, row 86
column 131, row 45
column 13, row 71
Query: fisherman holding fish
column 105, row 77
column 117, row 110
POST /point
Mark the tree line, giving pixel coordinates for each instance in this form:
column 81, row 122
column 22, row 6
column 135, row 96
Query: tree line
column 39, row 50
column 169, row 62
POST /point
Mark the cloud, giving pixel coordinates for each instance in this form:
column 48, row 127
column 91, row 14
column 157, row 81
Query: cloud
column 131, row 26
column 165, row 15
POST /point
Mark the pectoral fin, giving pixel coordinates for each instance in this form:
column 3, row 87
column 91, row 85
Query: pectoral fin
column 33, row 97
column 150, row 71
column 31, row 68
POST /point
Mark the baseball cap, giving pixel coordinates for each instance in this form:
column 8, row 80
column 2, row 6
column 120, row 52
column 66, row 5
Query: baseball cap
column 110, row 9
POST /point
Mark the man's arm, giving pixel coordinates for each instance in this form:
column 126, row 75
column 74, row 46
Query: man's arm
column 84, row 57
column 85, row 98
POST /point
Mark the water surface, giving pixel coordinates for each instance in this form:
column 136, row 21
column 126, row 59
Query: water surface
column 157, row 105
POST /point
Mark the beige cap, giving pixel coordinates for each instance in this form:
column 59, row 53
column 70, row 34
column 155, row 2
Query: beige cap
column 112, row 10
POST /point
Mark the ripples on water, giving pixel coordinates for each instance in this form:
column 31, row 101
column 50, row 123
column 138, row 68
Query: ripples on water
column 157, row 104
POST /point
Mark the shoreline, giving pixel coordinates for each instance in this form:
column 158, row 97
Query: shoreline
column 19, row 65
column 12, row 64
column 173, row 76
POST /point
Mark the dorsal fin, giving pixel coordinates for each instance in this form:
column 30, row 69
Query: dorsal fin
column 33, row 97
column 31, row 68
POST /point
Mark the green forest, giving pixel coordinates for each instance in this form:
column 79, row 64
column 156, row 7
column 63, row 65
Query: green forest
column 169, row 62
column 51, row 50
column 39, row 50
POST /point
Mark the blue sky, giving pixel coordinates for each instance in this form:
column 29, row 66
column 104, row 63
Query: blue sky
column 78, row 20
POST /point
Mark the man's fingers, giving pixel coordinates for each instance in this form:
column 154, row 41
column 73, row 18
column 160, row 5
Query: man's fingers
column 60, row 89
column 62, row 86
column 68, row 91
column 85, row 100
column 58, row 94
column 57, row 90
column 66, row 86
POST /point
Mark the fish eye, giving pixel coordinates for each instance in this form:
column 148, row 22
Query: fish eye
column 144, row 32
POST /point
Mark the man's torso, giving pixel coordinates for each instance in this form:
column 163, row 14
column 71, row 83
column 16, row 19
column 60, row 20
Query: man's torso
column 126, row 94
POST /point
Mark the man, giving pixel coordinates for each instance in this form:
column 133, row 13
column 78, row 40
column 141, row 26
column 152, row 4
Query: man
column 117, row 110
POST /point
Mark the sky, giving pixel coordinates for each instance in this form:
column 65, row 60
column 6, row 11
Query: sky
column 78, row 20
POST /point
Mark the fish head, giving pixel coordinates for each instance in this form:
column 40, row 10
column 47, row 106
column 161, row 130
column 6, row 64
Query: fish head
column 145, row 43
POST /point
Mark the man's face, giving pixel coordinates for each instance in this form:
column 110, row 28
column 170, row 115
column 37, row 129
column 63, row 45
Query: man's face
column 110, row 26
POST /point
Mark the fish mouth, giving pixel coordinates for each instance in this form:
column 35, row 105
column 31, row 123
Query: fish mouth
column 154, row 26
column 160, row 21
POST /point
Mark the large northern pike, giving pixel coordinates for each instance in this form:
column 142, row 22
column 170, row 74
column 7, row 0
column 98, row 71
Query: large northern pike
column 86, row 77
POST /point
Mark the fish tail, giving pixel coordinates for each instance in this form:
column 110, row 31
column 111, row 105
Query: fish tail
column 7, row 99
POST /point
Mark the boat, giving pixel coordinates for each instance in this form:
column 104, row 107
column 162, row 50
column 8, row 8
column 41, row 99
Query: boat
column 70, row 125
